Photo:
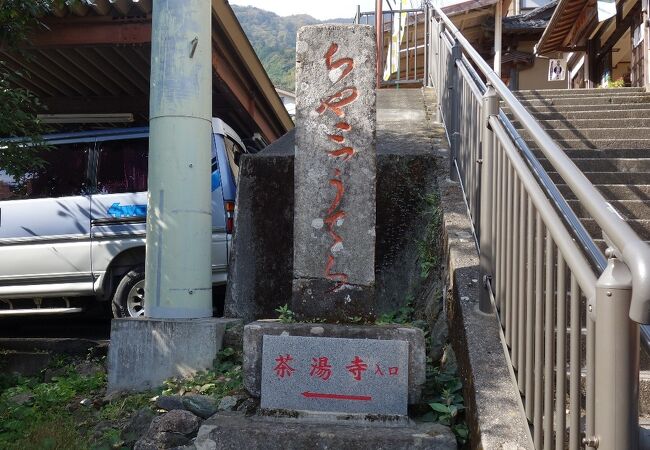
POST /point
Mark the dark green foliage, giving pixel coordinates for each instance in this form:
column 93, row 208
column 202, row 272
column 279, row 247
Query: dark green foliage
column 18, row 106
column 19, row 17
column 274, row 40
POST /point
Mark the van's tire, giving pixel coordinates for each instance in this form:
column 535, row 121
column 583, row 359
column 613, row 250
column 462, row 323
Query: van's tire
column 128, row 300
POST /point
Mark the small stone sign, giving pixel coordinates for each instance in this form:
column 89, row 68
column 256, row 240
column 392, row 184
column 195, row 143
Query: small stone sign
column 335, row 375
column 335, row 173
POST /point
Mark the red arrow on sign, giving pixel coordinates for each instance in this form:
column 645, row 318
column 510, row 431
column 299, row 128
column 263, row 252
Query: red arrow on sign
column 359, row 398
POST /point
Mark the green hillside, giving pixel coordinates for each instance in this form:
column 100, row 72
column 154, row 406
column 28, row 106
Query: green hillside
column 274, row 39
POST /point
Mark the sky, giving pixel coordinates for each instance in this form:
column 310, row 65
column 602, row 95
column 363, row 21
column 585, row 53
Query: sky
column 320, row 9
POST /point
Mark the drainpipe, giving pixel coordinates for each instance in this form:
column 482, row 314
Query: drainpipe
column 178, row 281
column 498, row 18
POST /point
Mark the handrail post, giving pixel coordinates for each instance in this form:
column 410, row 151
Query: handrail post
column 617, row 362
column 453, row 79
column 490, row 108
column 439, row 29
column 427, row 47
column 379, row 28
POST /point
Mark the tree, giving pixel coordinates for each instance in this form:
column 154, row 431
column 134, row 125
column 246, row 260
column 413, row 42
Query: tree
column 18, row 106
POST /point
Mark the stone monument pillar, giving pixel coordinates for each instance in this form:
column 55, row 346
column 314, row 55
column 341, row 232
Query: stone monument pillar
column 335, row 173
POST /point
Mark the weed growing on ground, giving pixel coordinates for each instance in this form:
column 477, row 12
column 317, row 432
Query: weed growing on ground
column 285, row 314
column 428, row 253
column 225, row 378
column 403, row 315
column 444, row 392
column 443, row 389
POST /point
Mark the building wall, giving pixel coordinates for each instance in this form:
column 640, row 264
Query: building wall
column 536, row 77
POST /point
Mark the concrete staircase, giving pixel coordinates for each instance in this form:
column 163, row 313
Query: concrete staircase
column 606, row 132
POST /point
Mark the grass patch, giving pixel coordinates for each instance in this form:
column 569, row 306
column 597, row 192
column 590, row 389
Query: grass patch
column 43, row 415
column 36, row 414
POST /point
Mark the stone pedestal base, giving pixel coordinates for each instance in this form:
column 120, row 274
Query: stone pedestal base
column 235, row 430
column 255, row 331
column 145, row 352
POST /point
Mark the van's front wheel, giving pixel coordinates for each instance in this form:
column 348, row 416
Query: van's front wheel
column 128, row 300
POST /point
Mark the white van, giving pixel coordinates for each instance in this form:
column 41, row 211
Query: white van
column 75, row 226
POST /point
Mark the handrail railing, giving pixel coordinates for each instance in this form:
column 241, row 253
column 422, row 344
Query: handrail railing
column 631, row 248
column 403, row 60
column 546, row 275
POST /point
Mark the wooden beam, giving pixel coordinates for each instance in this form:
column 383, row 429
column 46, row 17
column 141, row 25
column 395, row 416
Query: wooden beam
column 89, row 34
column 583, row 22
column 241, row 92
column 620, row 30
column 95, row 105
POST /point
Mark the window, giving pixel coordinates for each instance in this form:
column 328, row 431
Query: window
column 122, row 166
column 234, row 152
column 58, row 171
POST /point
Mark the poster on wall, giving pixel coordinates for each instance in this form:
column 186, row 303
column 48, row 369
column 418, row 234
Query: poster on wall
column 556, row 70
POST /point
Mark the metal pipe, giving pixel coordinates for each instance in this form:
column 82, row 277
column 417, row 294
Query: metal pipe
column 590, row 382
column 179, row 217
column 379, row 28
column 539, row 330
column 560, row 360
column 501, row 274
column 530, row 311
column 415, row 40
column 512, row 272
column 490, row 108
column 498, row 25
column 549, row 329
column 453, row 79
column 508, row 253
column 574, row 379
column 617, row 361
column 521, row 311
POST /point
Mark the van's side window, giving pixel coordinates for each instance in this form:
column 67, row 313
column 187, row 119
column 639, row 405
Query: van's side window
column 122, row 166
column 60, row 171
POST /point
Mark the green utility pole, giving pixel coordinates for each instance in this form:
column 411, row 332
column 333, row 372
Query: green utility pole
column 178, row 264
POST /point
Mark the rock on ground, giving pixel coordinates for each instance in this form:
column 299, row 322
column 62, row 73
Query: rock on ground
column 137, row 426
column 173, row 429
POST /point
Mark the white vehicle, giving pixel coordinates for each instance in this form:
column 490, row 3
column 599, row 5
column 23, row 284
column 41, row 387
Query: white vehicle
column 75, row 226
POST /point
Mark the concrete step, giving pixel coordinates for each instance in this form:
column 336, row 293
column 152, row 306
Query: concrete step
column 594, row 133
column 606, row 164
column 576, row 92
column 610, row 178
column 591, row 153
column 631, row 209
column 579, row 107
column 641, row 227
column 588, row 100
column 610, row 113
column 613, row 191
column 599, row 144
column 613, row 122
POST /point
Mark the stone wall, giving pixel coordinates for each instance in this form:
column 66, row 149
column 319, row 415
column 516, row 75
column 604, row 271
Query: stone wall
column 261, row 266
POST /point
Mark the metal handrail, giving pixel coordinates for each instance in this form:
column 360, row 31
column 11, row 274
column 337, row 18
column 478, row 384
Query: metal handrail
column 569, row 217
column 629, row 247
column 593, row 253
